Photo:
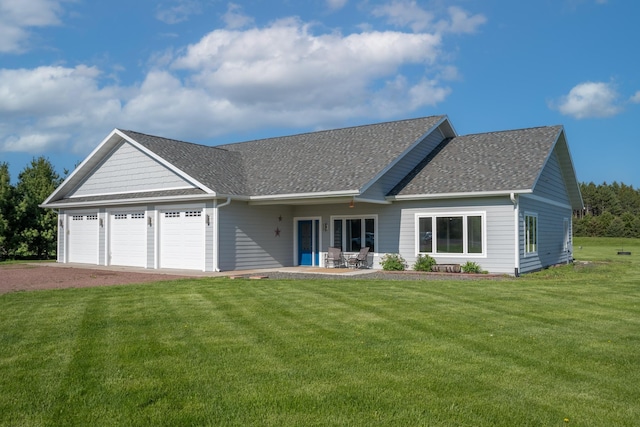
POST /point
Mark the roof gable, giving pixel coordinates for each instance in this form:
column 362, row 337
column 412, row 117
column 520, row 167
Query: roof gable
column 218, row 169
column 128, row 170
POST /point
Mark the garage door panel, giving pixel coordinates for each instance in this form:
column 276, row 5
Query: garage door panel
column 182, row 239
column 82, row 236
column 128, row 239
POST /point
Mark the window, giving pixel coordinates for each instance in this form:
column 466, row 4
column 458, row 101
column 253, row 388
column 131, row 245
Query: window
column 530, row 233
column 352, row 234
column 451, row 234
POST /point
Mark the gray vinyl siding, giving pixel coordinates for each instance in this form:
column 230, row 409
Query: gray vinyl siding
column 551, row 250
column 551, row 184
column 550, row 202
column 128, row 169
column 499, row 234
column 247, row 238
column 400, row 170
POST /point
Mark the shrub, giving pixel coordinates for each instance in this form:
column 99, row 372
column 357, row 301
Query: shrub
column 471, row 267
column 392, row 262
column 424, row 263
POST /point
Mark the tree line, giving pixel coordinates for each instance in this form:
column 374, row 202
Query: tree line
column 610, row 210
column 26, row 230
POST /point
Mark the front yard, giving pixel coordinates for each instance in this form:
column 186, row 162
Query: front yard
column 559, row 347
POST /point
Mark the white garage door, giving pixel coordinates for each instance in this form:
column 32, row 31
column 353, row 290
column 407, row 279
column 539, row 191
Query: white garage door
column 182, row 239
column 128, row 239
column 83, row 238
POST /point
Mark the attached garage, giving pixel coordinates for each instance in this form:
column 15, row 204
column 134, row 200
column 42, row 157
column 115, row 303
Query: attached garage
column 127, row 238
column 82, row 235
column 182, row 239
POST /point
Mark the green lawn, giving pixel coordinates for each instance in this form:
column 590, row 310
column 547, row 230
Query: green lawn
column 559, row 347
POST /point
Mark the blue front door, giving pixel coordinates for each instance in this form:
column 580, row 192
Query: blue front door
column 308, row 253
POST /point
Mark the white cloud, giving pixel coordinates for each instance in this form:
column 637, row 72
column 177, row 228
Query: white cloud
column 285, row 74
column 408, row 13
column 234, row 18
column 18, row 16
column 461, row 22
column 336, row 4
column 46, row 104
column 287, row 68
column 178, row 11
column 405, row 13
column 635, row 98
column 590, row 99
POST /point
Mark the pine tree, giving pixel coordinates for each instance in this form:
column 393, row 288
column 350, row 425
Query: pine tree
column 36, row 227
column 6, row 211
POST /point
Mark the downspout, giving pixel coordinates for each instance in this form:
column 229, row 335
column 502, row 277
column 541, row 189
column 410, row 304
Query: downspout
column 516, row 222
column 216, row 236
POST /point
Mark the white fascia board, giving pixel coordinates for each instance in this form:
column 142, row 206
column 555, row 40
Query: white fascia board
column 459, row 195
column 373, row 201
column 405, row 152
column 138, row 201
column 134, row 191
column 109, row 141
column 298, row 196
column 165, row 163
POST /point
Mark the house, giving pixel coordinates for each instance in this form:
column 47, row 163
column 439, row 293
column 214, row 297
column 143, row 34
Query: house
column 501, row 199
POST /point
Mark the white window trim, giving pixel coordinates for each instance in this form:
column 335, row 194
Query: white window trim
column 464, row 215
column 333, row 218
column 526, row 234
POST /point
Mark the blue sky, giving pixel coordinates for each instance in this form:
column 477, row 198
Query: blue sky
column 214, row 72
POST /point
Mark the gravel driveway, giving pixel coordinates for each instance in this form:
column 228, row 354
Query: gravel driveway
column 28, row 277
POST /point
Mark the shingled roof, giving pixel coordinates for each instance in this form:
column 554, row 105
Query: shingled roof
column 347, row 161
column 487, row 162
column 316, row 162
column 218, row 169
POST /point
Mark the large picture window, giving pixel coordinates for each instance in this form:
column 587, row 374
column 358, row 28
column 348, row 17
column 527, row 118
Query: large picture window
column 458, row 234
column 531, row 233
column 353, row 233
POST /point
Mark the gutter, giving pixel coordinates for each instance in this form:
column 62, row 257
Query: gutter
column 434, row 196
column 516, row 222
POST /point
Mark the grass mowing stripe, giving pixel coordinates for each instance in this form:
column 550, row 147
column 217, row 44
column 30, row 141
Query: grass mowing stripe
column 557, row 344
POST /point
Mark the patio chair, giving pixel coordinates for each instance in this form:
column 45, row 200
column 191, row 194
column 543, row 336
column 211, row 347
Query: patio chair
column 360, row 259
column 334, row 257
